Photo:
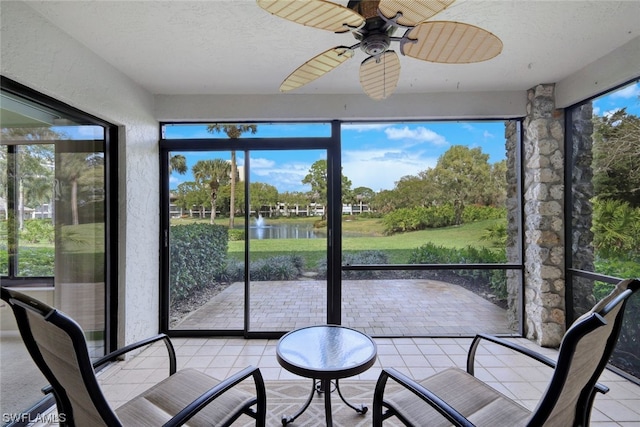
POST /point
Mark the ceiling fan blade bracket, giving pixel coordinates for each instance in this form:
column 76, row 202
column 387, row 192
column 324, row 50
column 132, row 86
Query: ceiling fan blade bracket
column 350, row 28
column 404, row 40
column 393, row 20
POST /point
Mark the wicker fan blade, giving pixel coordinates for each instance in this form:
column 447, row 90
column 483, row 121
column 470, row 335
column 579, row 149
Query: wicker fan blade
column 379, row 75
column 450, row 43
column 314, row 13
column 414, row 11
column 316, row 67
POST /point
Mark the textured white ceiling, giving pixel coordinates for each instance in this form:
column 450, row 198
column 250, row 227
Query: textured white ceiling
column 235, row 47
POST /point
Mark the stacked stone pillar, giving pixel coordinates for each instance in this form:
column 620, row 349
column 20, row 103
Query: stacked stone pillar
column 543, row 192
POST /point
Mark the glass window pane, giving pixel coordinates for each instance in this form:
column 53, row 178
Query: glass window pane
column 426, row 193
column 4, row 212
column 52, row 230
column 35, row 187
column 262, row 130
column 605, row 182
column 205, row 243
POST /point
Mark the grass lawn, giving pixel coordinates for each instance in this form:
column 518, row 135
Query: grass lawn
column 367, row 234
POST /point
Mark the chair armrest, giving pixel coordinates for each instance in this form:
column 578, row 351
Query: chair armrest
column 446, row 410
column 203, row 400
column 121, row 351
column 518, row 348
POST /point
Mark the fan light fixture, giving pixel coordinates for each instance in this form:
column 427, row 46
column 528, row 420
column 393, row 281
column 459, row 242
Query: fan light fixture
column 373, row 24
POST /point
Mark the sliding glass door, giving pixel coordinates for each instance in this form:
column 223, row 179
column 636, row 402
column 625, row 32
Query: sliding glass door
column 246, row 228
column 55, row 225
column 287, row 240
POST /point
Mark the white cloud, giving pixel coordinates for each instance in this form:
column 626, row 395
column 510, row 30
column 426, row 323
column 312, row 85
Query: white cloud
column 261, row 163
column 631, row 91
column 286, row 177
column 365, row 127
column 420, row 133
column 488, row 135
column 381, row 169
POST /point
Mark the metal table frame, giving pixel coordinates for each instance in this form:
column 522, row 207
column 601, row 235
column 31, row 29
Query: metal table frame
column 326, row 353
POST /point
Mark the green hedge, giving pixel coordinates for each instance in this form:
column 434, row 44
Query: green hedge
column 197, row 257
column 495, row 279
column 281, row 267
column 362, row 257
column 421, row 218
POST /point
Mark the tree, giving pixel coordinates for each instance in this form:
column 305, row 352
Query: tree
column 317, row 178
column 211, row 174
column 291, row 199
column 616, row 157
column 263, row 194
column 413, row 191
column 460, row 178
column 82, row 173
column 362, row 196
column 189, row 194
column 178, row 163
column 497, row 187
column 35, row 162
column 233, row 131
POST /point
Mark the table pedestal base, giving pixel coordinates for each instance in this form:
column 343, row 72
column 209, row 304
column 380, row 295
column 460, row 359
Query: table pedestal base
column 324, row 386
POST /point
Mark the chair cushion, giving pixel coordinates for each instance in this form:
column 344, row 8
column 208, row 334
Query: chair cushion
column 478, row 402
column 165, row 399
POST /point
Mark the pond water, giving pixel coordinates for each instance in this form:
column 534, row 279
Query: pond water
column 285, row 231
column 261, row 230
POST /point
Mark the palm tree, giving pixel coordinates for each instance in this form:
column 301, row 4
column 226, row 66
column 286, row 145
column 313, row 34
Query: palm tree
column 233, row 132
column 178, row 163
column 211, row 174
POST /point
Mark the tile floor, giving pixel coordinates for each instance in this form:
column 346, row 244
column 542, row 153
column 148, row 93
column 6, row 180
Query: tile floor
column 512, row 374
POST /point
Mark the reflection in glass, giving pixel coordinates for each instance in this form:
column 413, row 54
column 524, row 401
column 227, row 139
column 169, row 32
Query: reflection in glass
column 52, row 230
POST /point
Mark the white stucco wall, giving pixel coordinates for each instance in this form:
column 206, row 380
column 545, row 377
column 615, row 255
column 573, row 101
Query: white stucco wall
column 440, row 106
column 37, row 54
column 612, row 70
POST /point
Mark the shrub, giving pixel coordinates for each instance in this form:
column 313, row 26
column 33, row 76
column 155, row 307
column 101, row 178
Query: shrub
column 362, row 257
column 236, row 234
column 497, row 234
column 281, row 267
column 419, row 218
column 473, row 213
column 36, row 262
column 197, row 257
column 38, row 231
column 616, row 228
column 494, row 279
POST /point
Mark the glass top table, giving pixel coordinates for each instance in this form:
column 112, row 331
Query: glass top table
column 325, row 353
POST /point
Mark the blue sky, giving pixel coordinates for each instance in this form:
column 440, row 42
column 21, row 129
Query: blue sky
column 377, row 155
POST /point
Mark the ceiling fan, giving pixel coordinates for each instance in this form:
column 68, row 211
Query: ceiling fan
column 373, row 23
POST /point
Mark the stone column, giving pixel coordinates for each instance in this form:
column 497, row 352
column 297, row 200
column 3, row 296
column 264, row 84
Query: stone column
column 543, row 159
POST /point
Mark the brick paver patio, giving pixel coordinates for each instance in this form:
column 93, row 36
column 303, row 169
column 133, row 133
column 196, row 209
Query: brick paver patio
column 418, row 307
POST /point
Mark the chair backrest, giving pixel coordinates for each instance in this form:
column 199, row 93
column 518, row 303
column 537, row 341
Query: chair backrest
column 584, row 353
column 59, row 349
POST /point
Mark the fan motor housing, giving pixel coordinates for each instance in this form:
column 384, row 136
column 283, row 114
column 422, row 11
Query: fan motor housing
column 375, row 44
